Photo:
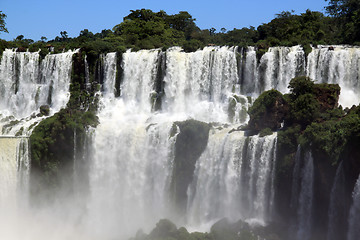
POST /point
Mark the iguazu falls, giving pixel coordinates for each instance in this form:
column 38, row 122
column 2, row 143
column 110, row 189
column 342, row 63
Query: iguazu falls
column 173, row 137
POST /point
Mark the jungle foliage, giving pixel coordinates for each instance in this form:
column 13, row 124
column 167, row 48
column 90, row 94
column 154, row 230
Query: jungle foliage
column 312, row 119
column 145, row 29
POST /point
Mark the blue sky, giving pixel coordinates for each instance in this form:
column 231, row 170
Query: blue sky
column 37, row 18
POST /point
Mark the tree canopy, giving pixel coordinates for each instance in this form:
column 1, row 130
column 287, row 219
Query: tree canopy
column 2, row 22
column 145, row 29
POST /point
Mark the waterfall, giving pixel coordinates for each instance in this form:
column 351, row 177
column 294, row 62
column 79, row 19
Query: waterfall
column 14, row 171
column 296, row 179
column 233, row 178
column 133, row 152
column 110, row 73
column 249, row 85
column 354, row 215
column 337, row 207
column 275, row 69
column 304, row 209
column 130, row 155
column 199, row 84
column 340, row 65
column 26, row 83
column 131, row 167
column 19, row 74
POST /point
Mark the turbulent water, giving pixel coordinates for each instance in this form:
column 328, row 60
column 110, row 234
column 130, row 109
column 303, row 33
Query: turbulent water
column 26, row 83
column 304, row 210
column 14, row 170
column 233, row 178
column 132, row 150
column 354, row 214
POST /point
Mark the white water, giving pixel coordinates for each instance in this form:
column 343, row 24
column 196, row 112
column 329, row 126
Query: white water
column 131, row 168
column 278, row 66
column 336, row 206
column 341, row 66
column 305, row 203
column 14, row 172
column 199, row 84
column 26, row 84
column 354, row 215
column 133, row 153
column 228, row 183
column 296, row 180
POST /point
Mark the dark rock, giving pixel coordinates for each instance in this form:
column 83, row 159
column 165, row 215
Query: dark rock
column 191, row 141
column 45, row 110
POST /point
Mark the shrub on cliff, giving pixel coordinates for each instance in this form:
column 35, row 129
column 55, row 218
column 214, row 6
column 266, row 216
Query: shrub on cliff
column 268, row 111
column 332, row 136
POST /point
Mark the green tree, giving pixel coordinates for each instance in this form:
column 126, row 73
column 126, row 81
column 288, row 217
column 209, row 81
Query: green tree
column 64, row 35
column 347, row 12
column 2, row 22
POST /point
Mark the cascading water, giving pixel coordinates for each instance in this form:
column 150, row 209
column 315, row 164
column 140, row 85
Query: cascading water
column 133, row 151
column 337, row 207
column 233, row 178
column 205, row 85
column 304, row 209
column 354, row 215
column 337, row 64
column 14, row 170
column 26, row 84
column 275, row 69
column 296, row 180
column 131, row 166
column 199, row 84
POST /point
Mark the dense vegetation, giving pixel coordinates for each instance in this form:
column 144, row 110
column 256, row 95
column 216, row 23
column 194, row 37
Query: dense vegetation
column 311, row 118
column 145, row 29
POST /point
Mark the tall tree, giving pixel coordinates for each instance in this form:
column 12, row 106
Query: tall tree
column 348, row 14
column 2, row 22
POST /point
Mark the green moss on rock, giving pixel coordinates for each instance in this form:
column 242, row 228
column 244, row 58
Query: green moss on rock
column 191, row 141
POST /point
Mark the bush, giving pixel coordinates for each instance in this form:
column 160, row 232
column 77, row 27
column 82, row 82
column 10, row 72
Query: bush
column 268, row 111
column 301, row 85
column 265, row 132
column 192, row 45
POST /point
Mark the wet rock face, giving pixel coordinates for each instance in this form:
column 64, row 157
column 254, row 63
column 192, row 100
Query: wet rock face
column 268, row 111
column 190, row 143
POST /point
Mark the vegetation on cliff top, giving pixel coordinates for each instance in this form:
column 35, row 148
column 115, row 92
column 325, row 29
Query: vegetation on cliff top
column 311, row 118
column 145, row 29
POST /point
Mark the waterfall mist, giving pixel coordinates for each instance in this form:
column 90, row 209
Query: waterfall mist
column 123, row 174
